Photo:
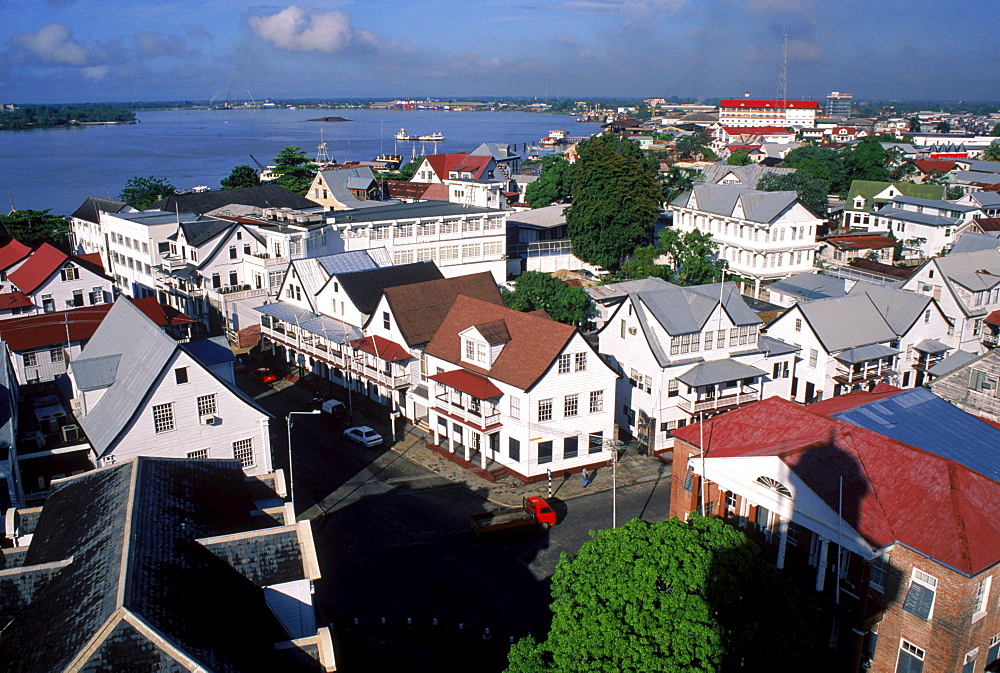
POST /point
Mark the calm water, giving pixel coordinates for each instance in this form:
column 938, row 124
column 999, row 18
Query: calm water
column 59, row 168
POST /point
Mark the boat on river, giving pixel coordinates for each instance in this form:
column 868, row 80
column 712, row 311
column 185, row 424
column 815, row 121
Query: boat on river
column 433, row 137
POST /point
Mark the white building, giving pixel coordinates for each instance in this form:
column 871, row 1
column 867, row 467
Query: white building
column 49, row 280
column 762, row 235
column 683, row 352
column 926, row 227
column 755, row 112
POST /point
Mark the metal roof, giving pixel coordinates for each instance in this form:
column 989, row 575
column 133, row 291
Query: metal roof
column 406, row 211
column 956, row 360
column 96, row 373
column 931, row 346
column 973, row 242
column 920, row 418
column 862, row 353
column 917, row 218
column 866, row 324
column 718, row 371
column 325, row 326
column 763, row 207
column 355, row 260
column 809, row 286
column 934, row 203
column 899, row 308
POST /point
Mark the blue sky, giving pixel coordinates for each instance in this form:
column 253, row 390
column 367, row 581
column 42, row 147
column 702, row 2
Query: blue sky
column 80, row 50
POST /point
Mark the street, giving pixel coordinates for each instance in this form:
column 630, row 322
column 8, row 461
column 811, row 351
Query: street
column 395, row 544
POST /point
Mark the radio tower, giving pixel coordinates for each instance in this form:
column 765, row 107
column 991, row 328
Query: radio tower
column 782, row 93
column 322, row 156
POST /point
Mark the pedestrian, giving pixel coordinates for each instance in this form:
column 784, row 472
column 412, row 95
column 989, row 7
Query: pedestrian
column 586, row 477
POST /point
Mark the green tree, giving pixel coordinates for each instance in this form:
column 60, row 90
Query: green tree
column 914, row 124
column 996, row 130
column 867, row 161
column 822, row 163
column 942, row 127
column 992, row 152
column 141, row 193
column 564, row 303
column 294, row 169
column 740, row 158
column 553, row 184
column 670, row 596
column 34, row 227
column 241, row 176
column 643, row 264
column 678, row 180
column 691, row 256
column 812, row 192
column 695, row 143
column 954, row 192
column 616, row 201
column 409, row 169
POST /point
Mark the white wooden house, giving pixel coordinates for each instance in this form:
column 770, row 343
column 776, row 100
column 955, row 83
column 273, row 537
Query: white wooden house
column 49, row 280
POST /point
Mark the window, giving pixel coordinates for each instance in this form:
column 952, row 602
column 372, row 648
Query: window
column 911, row 658
column 206, row 405
column 622, row 327
column 977, row 326
column 514, row 449
column 448, row 253
column 571, row 447
column 471, row 250
column 977, row 380
column 927, row 316
column 163, row 417
column 70, row 272
column 232, row 252
column 96, row 296
column 470, row 350
column 774, row 485
column 31, row 359
column 595, row 442
column 199, row 454
column 492, row 248
column 246, row 250
column 994, row 652
column 920, row 596
column 596, row 401
column 564, row 360
column 234, row 279
column 545, row 410
column 243, row 452
column 385, row 320
column 720, row 341
column 57, row 355
column 689, row 478
column 813, row 356
column 982, row 598
column 48, row 304
column 571, row 405
column 798, row 324
column 181, row 375
column 880, row 573
column 969, row 663
column 544, row 452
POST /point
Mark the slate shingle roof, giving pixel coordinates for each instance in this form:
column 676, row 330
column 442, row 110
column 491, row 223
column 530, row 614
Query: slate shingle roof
column 262, row 196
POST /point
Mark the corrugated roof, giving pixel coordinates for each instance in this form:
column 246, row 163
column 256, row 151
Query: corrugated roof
column 96, row 373
column 44, row 261
column 862, row 353
column 469, row 383
column 12, row 253
column 950, row 363
column 202, row 230
column 973, row 242
column 866, row 326
column 762, row 207
column 809, row 286
column 355, row 260
column 718, row 371
column 382, row 348
column 899, row 308
column 917, row 218
column 405, row 211
column 747, row 175
column 685, row 310
column 931, row 346
column 325, row 326
column 15, row 299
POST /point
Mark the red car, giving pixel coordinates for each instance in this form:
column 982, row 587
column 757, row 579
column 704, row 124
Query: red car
column 263, row 375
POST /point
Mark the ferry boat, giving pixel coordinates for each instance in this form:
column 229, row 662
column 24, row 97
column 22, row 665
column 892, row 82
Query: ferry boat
column 433, row 137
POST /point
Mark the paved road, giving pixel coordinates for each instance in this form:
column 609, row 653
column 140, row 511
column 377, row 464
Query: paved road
column 394, row 543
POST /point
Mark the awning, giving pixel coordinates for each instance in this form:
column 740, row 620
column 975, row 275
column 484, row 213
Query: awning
column 469, row 383
column 854, row 355
column 931, row 346
column 718, row 371
column 324, row 326
column 382, row 348
column 993, row 318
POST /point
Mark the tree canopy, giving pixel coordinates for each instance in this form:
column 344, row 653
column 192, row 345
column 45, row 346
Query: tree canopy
column 695, row 143
column 992, row 152
column 678, row 180
column 670, row 596
column 741, row 158
column 564, row 303
column 811, row 191
column 241, row 176
column 616, row 200
column 294, row 169
column 868, row 161
column 34, row 227
column 141, row 193
column 553, row 183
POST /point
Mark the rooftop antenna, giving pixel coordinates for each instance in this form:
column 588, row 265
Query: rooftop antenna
column 108, row 187
column 782, row 93
column 322, row 156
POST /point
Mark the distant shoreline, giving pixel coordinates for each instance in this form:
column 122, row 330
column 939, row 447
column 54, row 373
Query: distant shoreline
column 328, row 119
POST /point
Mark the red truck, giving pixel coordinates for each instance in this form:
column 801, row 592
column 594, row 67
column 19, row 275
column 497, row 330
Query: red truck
column 534, row 511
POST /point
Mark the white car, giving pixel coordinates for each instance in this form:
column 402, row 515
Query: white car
column 363, row 435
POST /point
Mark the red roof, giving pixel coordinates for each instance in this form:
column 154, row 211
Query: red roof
column 993, row 318
column 458, row 161
column 382, row 348
column 743, row 148
column 988, row 223
column 892, row 492
column 835, row 405
column 756, row 130
column 780, row 104
column 935, row 165
column 44, row 261
column 13, row 253
column 862, row 242
column 47, row 329
column 15, row 299
column 478, row 386
column 93, row 258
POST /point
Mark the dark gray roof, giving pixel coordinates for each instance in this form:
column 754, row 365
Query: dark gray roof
column 718, row 371
column 917, row 218
column 773, row 346
column 920, row 418
column 204, row 229
column 931, row 203
column 809, row 286
column 862, row 353
column 209, row 352
column 265, row 557
column 138, row 582
column 88, row 210
column 931, row 346
column 262, row 196
column 365, row 287
column 405, row 211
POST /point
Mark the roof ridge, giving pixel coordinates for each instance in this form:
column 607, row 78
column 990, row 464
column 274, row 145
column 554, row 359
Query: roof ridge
column 963, row 539
column 127, row 532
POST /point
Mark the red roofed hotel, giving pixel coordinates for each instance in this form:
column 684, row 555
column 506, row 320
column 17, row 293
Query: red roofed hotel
column 749, row 112
column 517, row 393
column 900, row 543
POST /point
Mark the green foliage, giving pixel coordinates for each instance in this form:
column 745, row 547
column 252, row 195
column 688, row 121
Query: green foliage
column 553, row 184
column 996, row 130
column 534, row 290
column 643, row 264
column 740, row 158
column 914, row 124
column 294, row 169
column 942, row 127
column 141, row 193
column 696, row 143
column 34, row 227
column 953, row 193
column 409, row 169
column 812, row 192
column 821, row 163
column 46, row 116
column 691, row 256
column 616, row 200
column 241, row 176
column 992, row 152
column 868, row 161
column 677, row 181
column 670, row 596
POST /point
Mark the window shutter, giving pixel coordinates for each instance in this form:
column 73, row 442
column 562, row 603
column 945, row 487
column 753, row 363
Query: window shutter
column 919, row 600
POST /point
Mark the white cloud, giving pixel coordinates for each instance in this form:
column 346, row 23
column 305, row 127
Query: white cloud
column 296, row 29
column 53, row 44
column 95, row 73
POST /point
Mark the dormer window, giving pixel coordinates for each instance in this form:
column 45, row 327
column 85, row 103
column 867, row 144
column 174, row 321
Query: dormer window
column 859, row 203
column 475, row 352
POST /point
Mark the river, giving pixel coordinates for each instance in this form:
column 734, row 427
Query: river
column 59, row 168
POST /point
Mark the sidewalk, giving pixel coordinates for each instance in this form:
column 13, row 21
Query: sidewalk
column 631, row 469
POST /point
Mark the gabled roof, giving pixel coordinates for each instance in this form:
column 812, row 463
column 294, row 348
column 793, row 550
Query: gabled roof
column 973, row 242
column 499, row 151
column 365, row 287
column 419, row 308
column 202, row 230
column 268, row 195
column 535, row 341
column 12, row 253
column 89, row 209
column 341, row 182
column 315, row 272
column 747, row 175
column 443, row 164
column 865, row 327
column 935, row 165
column 44, row 261
column 138, row 587
column 870, row 188
column 685, row 310
column 985, row 198
column 899, row 308
column 892, row 492
column 31, row 332
column 764, row 207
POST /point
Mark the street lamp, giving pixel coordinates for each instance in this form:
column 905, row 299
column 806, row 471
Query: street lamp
column 291, row 479
column 615, row 446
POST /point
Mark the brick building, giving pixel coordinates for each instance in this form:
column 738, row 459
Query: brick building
column 895, row 529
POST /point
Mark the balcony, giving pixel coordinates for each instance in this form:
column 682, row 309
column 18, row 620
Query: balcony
column 858, row 375
column 237, row 292
column 379, row 376
column 479, row 417
column 266, row 261
column 717, row 403
column 991, row 340
column 312, row 346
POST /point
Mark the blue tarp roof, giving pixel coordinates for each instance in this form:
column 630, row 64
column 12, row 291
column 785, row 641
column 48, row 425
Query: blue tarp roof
column 920, row 418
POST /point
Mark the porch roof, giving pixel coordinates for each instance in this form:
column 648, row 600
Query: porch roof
column 718, row 371
column 930, row 346
column 468, row 382
column 993, row 318
column 382, row 348
column 854, row 355
column 325, row 326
